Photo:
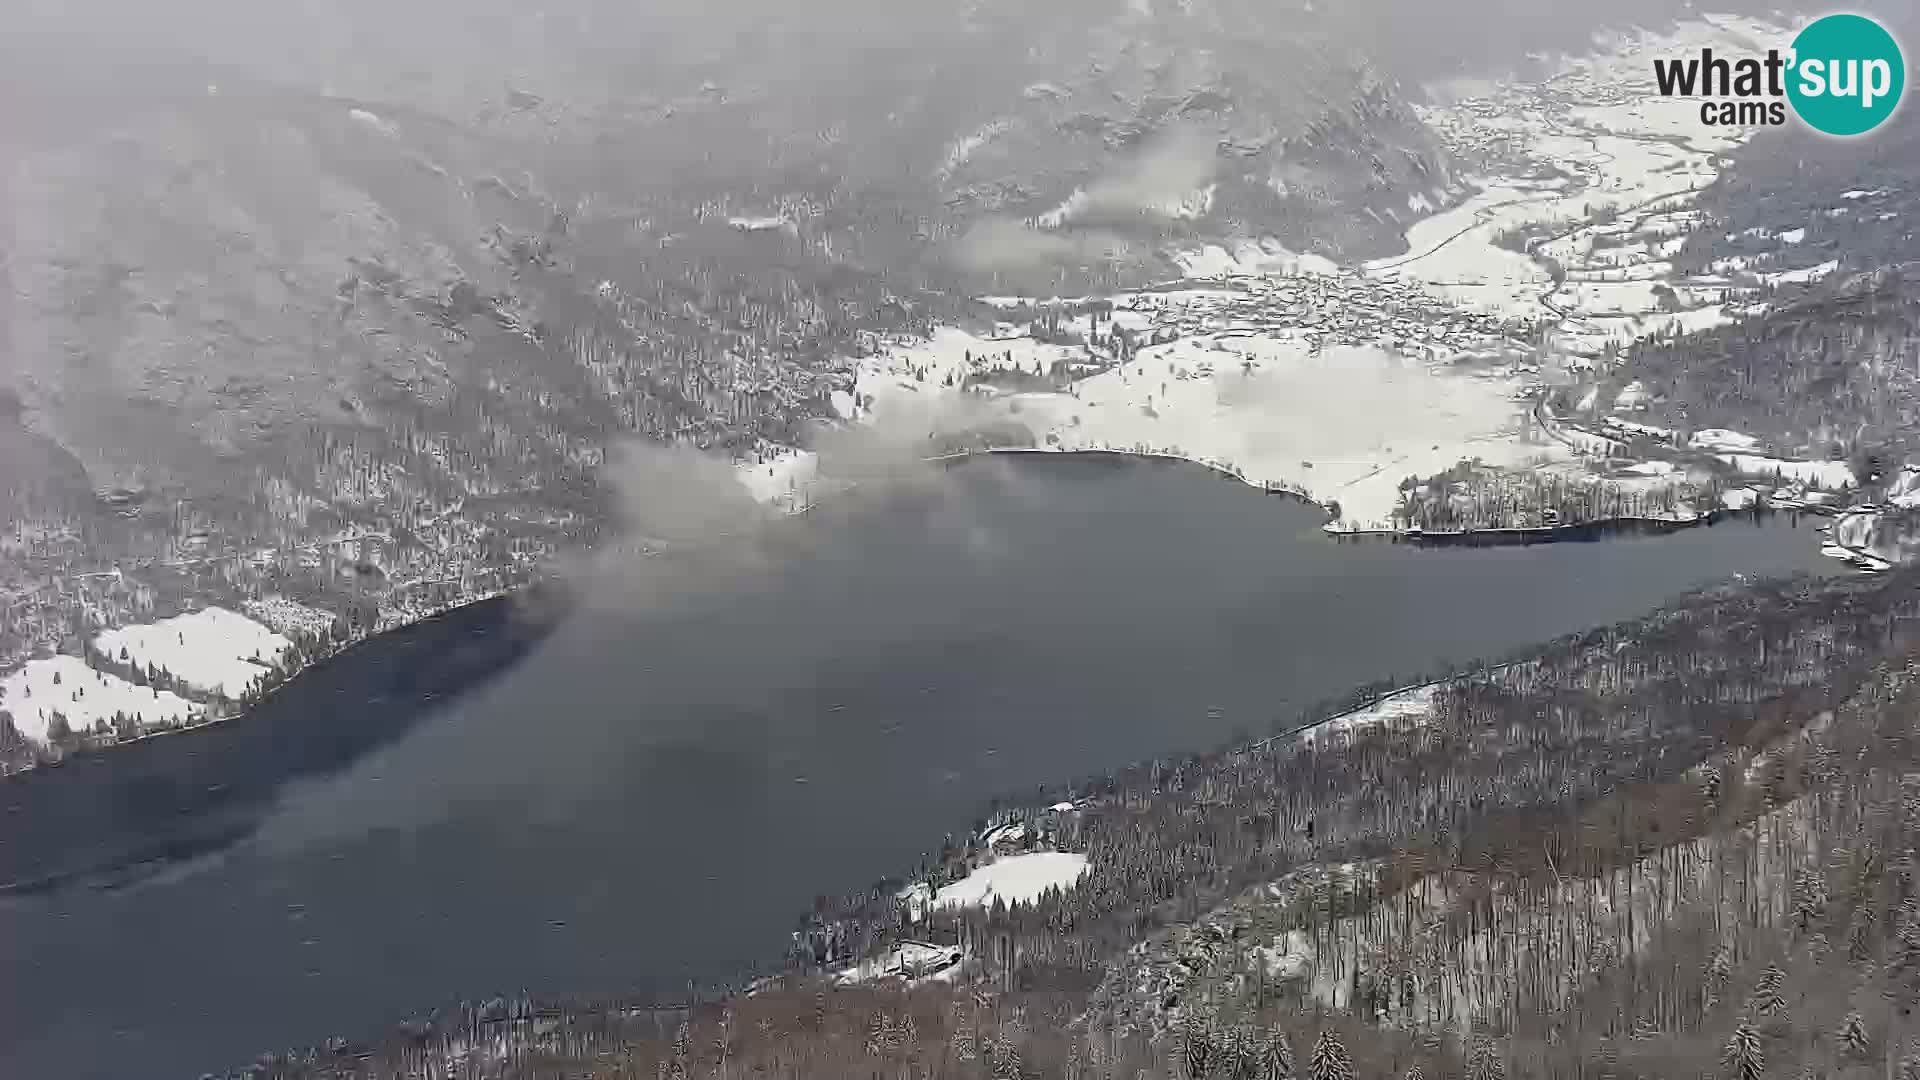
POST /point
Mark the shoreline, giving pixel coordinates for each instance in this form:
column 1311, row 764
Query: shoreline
column 1595, row 531
column 213, row 722
column 1592, row 531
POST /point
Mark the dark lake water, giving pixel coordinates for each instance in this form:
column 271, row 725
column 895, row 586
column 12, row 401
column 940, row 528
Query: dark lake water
column 654, row 792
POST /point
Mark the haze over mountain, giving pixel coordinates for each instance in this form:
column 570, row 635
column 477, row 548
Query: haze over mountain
column 280, row 274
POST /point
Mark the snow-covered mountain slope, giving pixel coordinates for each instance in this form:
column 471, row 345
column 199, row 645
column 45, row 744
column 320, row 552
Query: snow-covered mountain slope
column 406, row 287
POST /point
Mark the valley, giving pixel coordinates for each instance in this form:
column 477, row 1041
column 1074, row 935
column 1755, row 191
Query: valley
column 715, row 540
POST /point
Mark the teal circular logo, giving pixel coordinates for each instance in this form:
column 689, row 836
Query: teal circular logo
column 1847, row 75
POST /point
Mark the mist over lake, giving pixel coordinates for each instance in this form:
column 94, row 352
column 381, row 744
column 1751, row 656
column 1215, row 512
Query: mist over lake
column 661, row 786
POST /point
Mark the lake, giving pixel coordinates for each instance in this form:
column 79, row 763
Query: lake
column 654, row 791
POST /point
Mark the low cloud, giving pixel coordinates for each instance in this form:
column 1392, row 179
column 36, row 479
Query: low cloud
column 1168, row 170
column 697, row 579
column 684, row 529
column 1001, row 244
column 1152, row 186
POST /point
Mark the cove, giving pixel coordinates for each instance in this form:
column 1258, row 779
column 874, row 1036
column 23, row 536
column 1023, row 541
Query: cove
column 655, row 790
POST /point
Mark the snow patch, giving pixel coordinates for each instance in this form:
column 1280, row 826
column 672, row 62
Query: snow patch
column 373, row 121
column 786, row 480
column 1404, row 708
column 1723, row 439
column 765, row 223
column 1016, row 879
column 1249, row 258
column 1802, row 277
column 1828, row 475
column 1632, row 395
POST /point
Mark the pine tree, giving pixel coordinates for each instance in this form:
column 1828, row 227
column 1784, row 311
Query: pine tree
column 1239, row 1054
column 1276, row 1057
column 1329, row 1060
column 1766, row 993
column 1808, row 898
column 1196, row 1045
column 1486, row 1064
column 1006, row 1060
column 1742, row 1056
column 1719, row 970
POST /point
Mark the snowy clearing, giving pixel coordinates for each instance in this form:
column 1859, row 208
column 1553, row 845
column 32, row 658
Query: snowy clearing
column 87, row 698
column 213, row 649
column 1826, row 475
column 1016, row 879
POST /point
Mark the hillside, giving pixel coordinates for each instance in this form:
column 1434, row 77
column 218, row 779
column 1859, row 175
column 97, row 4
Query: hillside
column 357, row 322
column 1822, row 231
column 1644, row 844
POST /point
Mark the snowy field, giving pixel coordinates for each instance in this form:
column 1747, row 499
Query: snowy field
column 1015, row 879
column 1347, row 424
column 1267, row 403
column 219, row 651
column 213, row 651
column 87, row 698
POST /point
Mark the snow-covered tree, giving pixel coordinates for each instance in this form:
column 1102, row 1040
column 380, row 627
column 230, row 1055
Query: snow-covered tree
column 1486, row 1063
column 1743, row 1056
column 1767, row 1000
column 1276, row 1057
column 1330, row 1060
